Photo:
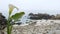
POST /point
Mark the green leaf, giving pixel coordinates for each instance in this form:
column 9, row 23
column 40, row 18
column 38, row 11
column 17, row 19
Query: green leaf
column 11, row 7
column 17, row 16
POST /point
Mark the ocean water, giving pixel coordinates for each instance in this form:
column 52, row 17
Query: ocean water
column 24, row 19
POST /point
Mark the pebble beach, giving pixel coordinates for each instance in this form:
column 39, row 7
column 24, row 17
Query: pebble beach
column 40, row 27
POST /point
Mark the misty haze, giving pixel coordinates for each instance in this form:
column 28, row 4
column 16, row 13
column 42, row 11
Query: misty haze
column 29, row 16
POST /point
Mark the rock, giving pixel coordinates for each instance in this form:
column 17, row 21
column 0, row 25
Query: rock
column 3, row 23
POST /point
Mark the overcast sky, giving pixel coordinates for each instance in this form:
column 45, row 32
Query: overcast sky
column 35, row 6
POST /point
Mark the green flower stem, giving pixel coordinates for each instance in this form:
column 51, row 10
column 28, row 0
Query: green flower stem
column 9, row 26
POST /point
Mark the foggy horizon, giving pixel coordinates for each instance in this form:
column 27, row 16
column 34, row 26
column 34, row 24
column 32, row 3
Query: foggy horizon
column 34, row 6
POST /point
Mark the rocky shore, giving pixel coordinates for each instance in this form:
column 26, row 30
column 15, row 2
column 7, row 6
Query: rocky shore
column 44, row 27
